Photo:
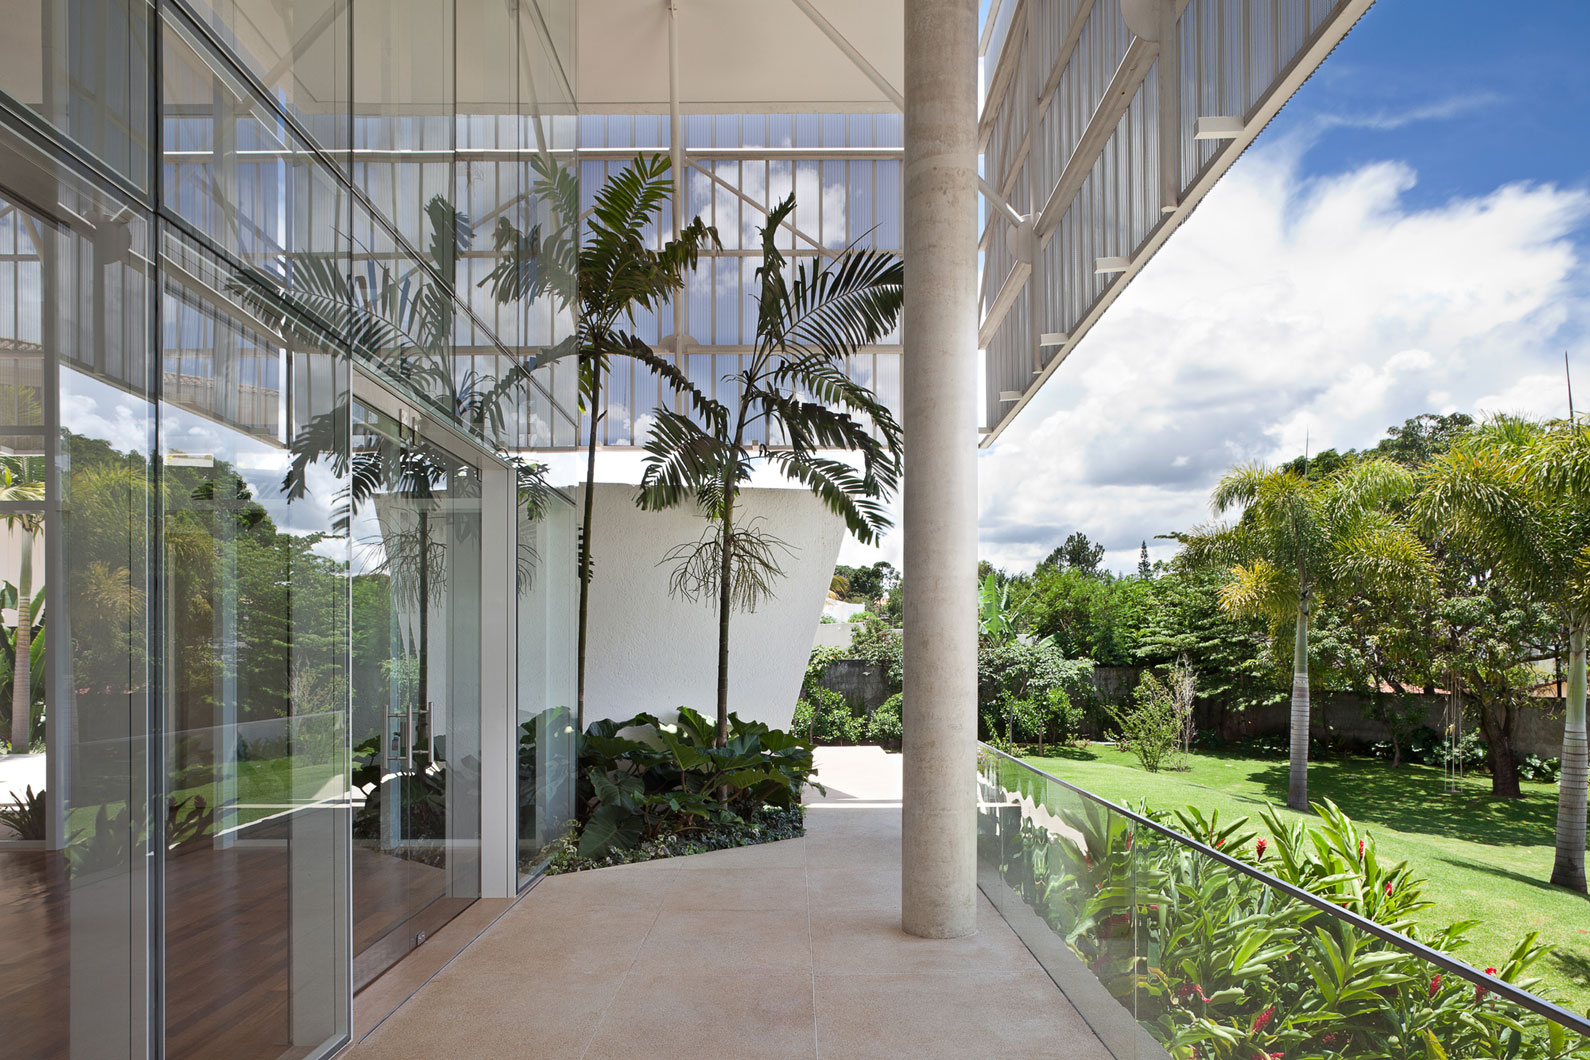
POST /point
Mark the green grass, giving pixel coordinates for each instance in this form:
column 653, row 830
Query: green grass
column 1486, row 859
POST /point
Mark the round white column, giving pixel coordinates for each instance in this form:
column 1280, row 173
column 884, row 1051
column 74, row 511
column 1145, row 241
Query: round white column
column 938, row 868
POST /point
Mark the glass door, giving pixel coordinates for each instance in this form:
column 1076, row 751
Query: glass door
column 416, row 527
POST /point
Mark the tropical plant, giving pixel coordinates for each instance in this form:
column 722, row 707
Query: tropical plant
column 26, row 814
column 640, row 777
column 793, row 399
column 999, row 614
column 617, row 274
column 1298, row 538
column 1219, row 964
column 1518, row 493
column 22, row 483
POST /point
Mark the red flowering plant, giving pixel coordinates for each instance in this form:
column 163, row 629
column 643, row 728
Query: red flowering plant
column 1218, row 964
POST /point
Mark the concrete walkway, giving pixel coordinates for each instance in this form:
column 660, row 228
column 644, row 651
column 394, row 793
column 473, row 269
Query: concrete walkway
column 789, row 949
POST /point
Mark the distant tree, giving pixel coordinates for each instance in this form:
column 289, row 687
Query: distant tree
column 1423, row 438
column 1145, row 569
column 1183, row 617
column 1089, row 616
column 868, row 584
column 1077, row 553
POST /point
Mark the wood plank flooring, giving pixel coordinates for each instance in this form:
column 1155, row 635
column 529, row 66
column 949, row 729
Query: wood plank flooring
column 227, row 946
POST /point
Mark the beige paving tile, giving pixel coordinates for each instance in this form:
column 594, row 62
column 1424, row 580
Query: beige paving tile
column 886, row 1017
column 735, row 888
column 552, row 939
column 618, row 886
column 786, row 853
column 684, row 1014
column 849, row 941
column 490, row 1017
column 687, row 942
column 831, row 887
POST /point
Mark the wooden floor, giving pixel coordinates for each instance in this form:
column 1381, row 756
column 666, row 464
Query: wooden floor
column 227, row 945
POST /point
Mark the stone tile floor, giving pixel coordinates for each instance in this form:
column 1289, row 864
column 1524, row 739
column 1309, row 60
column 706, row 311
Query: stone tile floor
column 789, row 949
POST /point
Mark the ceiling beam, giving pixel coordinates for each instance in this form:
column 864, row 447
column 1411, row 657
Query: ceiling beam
column 850, row 51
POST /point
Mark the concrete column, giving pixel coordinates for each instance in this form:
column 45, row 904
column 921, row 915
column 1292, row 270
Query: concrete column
column 938, row 884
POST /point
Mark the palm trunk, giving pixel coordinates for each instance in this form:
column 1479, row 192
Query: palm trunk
column 21, row 676
column 725, row 596
column 1568, row 871
column 1297, row 785
column 585, row 554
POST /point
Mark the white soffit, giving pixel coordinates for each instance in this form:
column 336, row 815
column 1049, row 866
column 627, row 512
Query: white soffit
column 737, row 55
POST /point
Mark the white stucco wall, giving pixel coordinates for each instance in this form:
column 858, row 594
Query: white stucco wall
column 650, row 651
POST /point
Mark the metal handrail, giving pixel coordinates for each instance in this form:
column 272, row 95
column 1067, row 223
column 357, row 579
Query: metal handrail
column 1501, row 988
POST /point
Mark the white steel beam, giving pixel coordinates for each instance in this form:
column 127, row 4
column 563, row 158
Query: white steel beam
column 743, row 197
column 839, row 40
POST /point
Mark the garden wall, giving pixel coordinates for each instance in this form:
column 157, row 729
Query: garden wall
column 862, row 683
column 1539, row 728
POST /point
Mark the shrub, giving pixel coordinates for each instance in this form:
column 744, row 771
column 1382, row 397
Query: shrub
column 1152, row 727
column 662, row 779
column 885, row 726
column 824, row 717
column 1218, row 965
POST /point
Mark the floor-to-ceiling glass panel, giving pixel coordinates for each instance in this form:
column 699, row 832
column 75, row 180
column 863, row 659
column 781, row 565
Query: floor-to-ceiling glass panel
column 255, row 677
column 546, row 658
column 299, row 50
column 416, row 523
column 76, row 508
column 84, row 69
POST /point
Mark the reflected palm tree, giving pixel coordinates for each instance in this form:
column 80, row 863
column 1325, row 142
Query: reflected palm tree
column 19, row 484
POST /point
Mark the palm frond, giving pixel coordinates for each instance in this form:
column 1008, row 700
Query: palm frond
column 1260, row 589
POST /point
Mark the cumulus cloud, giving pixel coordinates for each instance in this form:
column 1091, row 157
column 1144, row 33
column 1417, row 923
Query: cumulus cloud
column 1286, row 309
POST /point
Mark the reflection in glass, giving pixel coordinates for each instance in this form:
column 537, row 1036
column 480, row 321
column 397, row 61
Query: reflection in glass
column 76, row 434
column 547, row 736
column 255, row 574
column 416, row 687
column 84, row 69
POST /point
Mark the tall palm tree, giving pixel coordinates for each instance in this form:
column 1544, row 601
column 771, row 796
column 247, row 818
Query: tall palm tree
column 1299, row 538
column 1518, row 493
column 617, row 274
column 792, row 401
column 16, row 484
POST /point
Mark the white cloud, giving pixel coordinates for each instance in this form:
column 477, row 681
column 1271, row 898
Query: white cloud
column 1289, row 308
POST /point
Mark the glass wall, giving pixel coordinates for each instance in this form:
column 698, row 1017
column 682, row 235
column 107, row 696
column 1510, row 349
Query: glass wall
column 548, row 544
column 250, row 382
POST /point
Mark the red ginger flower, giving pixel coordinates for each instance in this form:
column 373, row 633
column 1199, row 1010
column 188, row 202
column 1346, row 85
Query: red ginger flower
column 1262, row 1020
column 1258, row 849
column 1435, row 984
column 1388, row 887
column 1360, row 850
column 1480, row 991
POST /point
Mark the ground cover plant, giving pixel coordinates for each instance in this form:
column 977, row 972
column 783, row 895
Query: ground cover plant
column 1215, row 963
column 647, row 788
column 1486, row 859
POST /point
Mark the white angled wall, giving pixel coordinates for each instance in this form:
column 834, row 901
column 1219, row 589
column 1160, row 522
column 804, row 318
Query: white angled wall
column 650, row 651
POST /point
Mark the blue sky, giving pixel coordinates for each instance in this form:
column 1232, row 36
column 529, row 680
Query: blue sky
column 1471, row 94
column 1410, row 235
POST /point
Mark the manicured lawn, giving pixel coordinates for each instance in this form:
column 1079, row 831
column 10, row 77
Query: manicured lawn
column 1486, row 859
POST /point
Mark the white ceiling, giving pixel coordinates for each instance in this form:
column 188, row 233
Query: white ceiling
column 737, row 55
